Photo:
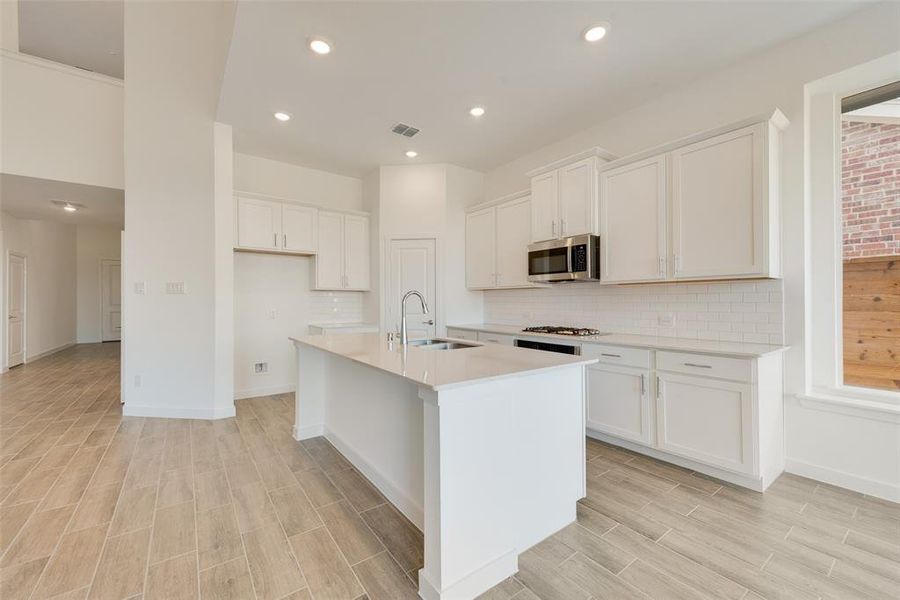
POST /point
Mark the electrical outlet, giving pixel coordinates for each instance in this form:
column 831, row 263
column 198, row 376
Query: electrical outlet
column 666, row 320
column 260, row 368
column 174, row 287
column 140, row 288
column 273, row 314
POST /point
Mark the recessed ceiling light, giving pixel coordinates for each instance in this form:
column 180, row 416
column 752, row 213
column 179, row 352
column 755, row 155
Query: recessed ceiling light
column 411, row 153
column 69, row 208
column 282, row 116
column 597, row 32
column 476, row 111
column 319, row 46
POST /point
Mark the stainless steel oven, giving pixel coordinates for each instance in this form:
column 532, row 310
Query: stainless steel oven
column 569, row 259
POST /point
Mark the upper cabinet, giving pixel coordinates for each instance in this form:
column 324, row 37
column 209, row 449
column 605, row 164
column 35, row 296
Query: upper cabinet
column 564, row 196
column 497, row 239
column 342, row 261
column 702, row 208
column 274, row 226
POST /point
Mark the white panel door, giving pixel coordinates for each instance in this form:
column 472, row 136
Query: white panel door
column 15, row 306
column 578, row 198
column 413, row 267
column 633, row 222
column 707, row 420
column 330, row 256
column 258, row 223
column 513, row 228
column 480, row 248
column 111, row 300
column 356, row 252
column 719, row 212
column 298, row 228
column 618, row 402
column 545, row 207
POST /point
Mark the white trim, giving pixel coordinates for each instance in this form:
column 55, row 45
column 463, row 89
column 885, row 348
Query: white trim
column 47, row 353
column 61, row 68
column 498, row 201
column 258, row 196
column 121, row 291
column 394, row 494
column 597, row 151
column 264, row 391
column 10, row 253
column 168, row 412
column 310, row 431
column 863, row 485
column 854, row 407
column 486, row 577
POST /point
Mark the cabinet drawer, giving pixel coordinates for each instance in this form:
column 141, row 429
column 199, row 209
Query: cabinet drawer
column 618, row 355
column 722, row 367
column 495, row 338
column 462, row 334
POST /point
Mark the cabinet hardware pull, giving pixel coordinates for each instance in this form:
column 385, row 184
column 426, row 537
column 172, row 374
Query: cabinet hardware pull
column 275, row 240
column 612, row 355
column 562, row 227
column 428, row 322
column 284, row 240
column 553, row 228
column 662, row 266
column 698, row 365
column 642, row 385
column 658, row 387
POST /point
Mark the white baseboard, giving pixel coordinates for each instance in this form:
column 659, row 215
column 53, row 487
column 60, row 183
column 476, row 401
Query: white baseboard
column 167, row 412
column 264, row 391
column 46, row 353
column 404, row 503
column 310, row 431
column 872, row 487
column 473, row 584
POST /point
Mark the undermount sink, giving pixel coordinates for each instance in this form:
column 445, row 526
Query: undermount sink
column 440, row 344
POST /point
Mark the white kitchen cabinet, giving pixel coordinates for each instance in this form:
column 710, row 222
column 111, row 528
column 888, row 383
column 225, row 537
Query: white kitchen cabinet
column 481, row 248
column 258, row 223
column 720, row 207
column 578, row 198
column 462, row 334
column 497, row 239
column 618, row 402
column 299, row 228
column 633, row 222
column 545, row 207
column 705, row 419
column 496, row 338
column 342, row 260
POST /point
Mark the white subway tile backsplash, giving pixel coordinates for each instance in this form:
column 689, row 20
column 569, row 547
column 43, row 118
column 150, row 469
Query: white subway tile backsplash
column 749, row 311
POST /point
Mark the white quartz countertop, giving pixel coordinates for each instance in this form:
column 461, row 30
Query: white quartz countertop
column 738, row 349
column 441, row 369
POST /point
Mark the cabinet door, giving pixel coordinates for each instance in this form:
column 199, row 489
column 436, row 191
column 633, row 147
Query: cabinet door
column 719, row 205
column 298, row 228
column 513, row 237
column 330, row 255
column 707, row 420
column 258, row 223
column 633, row 221
column 578, row 198
column 356, row 252
column 480, row 247
column 545, row 207
column 619, row 402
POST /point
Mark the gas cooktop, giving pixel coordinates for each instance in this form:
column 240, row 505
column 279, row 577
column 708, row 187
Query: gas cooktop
column 577, row 331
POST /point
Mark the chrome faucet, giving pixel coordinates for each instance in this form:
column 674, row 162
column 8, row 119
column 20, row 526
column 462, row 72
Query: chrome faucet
column 403, row 335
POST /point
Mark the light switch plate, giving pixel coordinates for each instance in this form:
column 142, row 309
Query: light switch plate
column 140, row 288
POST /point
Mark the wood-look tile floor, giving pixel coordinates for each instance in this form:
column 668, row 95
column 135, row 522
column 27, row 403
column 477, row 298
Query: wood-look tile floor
column 96, row 505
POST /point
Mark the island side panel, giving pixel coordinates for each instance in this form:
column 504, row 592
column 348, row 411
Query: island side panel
column 309, row 399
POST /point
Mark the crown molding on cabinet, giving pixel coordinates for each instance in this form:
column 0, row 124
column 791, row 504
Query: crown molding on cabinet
column 498, row 201
column 590, row 152
column 258, row 196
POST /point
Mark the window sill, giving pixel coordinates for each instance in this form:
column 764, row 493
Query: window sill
column 885, row 409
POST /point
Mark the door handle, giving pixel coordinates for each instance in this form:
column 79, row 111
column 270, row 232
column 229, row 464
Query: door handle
column 428, row 322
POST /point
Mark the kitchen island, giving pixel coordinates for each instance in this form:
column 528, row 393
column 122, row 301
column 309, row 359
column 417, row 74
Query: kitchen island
column 481, row 447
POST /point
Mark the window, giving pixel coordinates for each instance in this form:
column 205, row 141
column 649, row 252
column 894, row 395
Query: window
column 870, row 240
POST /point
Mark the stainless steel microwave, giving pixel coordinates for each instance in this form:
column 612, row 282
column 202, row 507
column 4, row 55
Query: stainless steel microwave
column 574, row 258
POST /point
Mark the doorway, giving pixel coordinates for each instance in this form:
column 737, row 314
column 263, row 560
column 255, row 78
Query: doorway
column 15, row 302
column 110, row 300
column 412, row 266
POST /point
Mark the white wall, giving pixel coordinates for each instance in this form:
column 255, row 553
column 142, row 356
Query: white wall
column 272, row 294
column 774, row 78
column 173, row 62
column 50, row 306
column 93, row 244
column 59, row 122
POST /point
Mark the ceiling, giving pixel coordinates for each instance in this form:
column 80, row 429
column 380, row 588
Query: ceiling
column 31, row 198
column 427, row 63
column 88, row 34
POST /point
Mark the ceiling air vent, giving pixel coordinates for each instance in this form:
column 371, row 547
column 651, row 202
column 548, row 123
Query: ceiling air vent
column 404, row 130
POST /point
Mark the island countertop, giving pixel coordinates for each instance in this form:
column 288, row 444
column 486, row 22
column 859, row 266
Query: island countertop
column 440, row 369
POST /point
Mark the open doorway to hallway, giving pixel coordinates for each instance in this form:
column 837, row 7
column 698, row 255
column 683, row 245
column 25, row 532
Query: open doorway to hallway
column 16, row 274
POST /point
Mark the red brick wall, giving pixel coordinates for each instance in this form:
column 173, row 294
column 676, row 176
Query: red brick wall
column 870, row 160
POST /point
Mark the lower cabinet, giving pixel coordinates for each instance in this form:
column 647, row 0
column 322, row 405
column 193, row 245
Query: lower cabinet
column 462, row 334
column 707, row 420
column 496, row 338
column 618, row 402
